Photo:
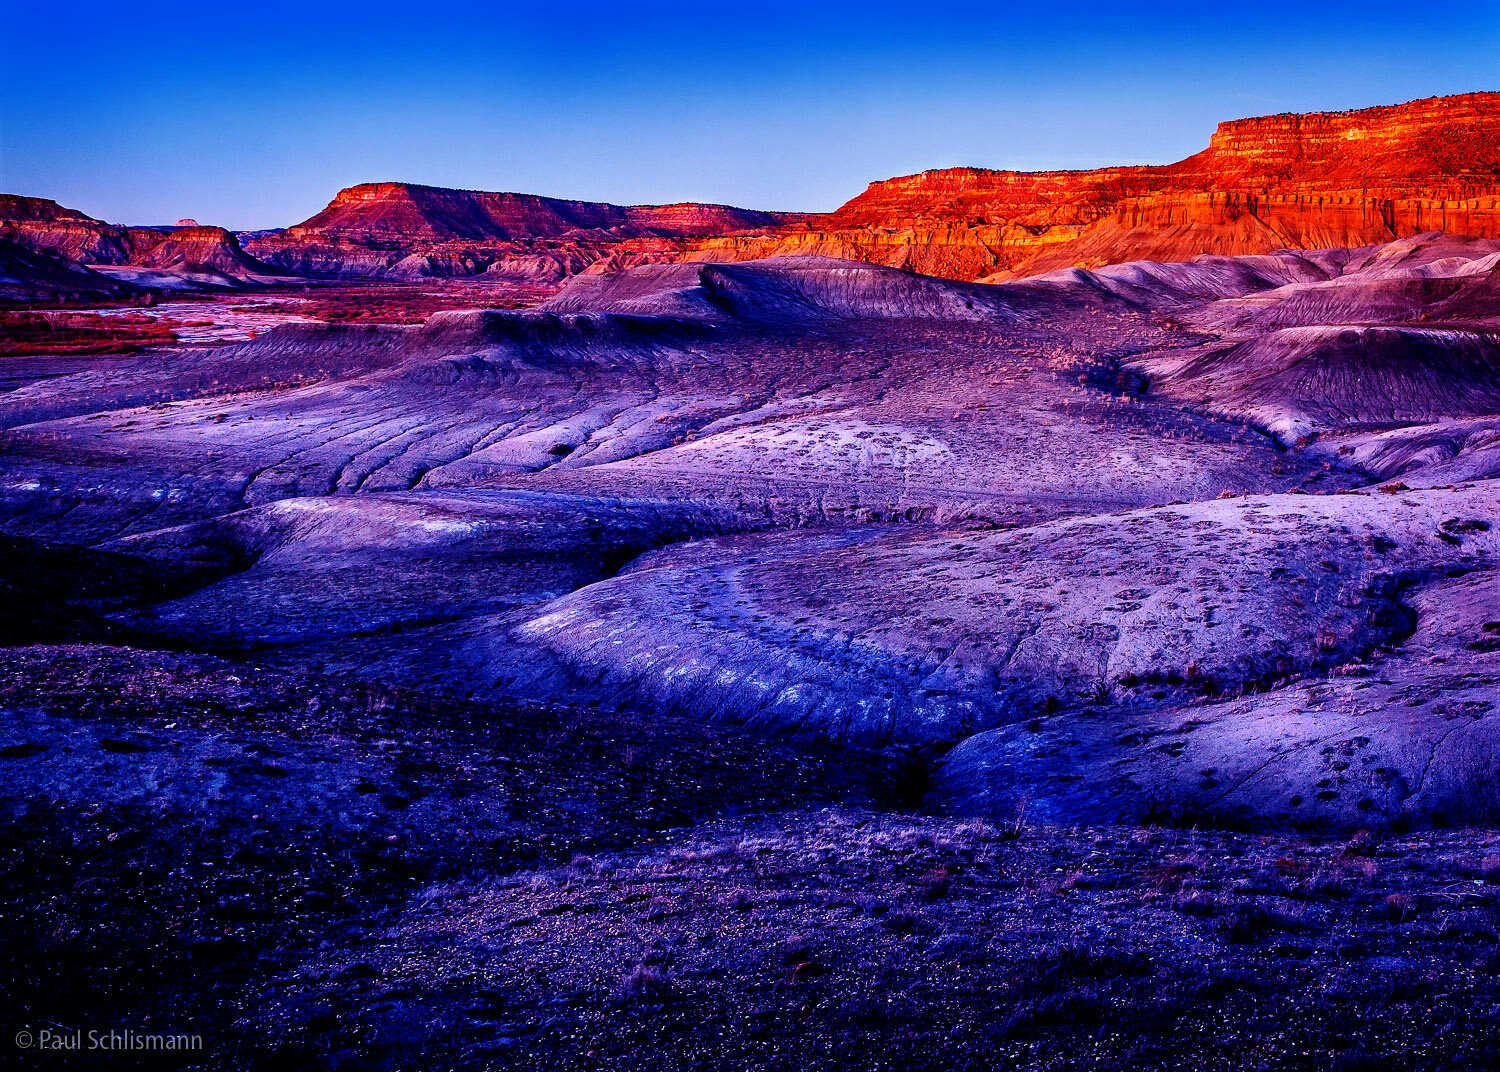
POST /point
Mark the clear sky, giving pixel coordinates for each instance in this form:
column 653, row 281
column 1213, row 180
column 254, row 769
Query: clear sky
column 254, row 114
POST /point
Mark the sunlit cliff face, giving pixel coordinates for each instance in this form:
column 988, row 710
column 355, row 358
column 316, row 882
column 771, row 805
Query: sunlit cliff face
column 1318, row 181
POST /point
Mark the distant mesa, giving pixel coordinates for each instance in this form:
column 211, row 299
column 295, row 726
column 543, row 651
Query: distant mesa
column 411, row 211
column 29, row 275
column 1315, row 181
column 119, row 260
column 404, row 230
column 1328, row 180
column 185, row 222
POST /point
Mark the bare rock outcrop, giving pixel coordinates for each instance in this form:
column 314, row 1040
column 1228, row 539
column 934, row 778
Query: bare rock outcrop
column 138, row 258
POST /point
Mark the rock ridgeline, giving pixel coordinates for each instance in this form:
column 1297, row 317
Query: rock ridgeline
column 44, row 226
column 56, row 241
column 402, row 230
column 1321, row 180
column 199, row 247
column 1303, row 181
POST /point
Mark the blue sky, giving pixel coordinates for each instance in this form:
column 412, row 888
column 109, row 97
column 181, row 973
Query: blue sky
column 253, row 115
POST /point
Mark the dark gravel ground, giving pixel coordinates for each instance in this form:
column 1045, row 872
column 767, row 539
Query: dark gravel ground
column 316, row 874
column 173, row 826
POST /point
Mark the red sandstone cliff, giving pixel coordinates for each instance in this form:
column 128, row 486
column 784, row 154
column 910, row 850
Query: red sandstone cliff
column 1319, row 180
column 45, row 226
column 410, row 211
column 150, row 257
column 1303, row 181
column 197, row 248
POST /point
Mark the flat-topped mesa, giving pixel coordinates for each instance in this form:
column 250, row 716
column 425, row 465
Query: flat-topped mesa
column 168, row 258
column 691, row 219
column 407, row 229
column 18, row 208
column 394, row 210
column 1319, row 180
column 432, row 213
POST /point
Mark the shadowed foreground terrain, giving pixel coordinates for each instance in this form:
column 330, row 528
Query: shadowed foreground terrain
column 793, row 663
column 314, row 874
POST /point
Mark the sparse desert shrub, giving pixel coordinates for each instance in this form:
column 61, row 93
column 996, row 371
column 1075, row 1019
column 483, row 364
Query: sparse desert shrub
column 1052, row 971
column 1012, row 828
column 1197, row 904
column 900, row 921
column 869, row 1005
column 1168, row 875
column 958, row 946
column 1327, row 884
column 644, row 985
column 1363, row 843
column 935, row 884
column 1290, row 866
column 1074, row 1006
column 1467, row 926
column 796, row 949
column 1489, row 962
column 906, row 778
column 1247, row 923
column 1397, row 908
column 1074, row 880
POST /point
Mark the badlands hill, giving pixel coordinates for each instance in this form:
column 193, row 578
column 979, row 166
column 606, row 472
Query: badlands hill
column 1215, row 538
column 45, row 226
column 30, row 275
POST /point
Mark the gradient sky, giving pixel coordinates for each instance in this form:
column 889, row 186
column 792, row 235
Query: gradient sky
column 253, row 115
